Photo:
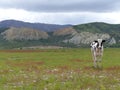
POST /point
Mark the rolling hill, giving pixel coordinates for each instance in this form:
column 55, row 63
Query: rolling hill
column 38, row 26
column 23, row 34
column 18, row 34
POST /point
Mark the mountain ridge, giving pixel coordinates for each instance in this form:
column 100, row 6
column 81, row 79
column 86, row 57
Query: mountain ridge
column 72, row 36
column 38, row 26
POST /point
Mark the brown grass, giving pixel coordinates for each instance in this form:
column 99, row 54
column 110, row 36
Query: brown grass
column 30, row 50
column 24, row 63
column 113, row 68
column 79, row 60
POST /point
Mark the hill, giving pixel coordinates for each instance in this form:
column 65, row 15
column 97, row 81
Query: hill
column 23, row 34
column 38, row 26
column 112, row 31
column 73, row 36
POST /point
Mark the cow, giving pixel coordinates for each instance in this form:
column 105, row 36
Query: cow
column 97, row 51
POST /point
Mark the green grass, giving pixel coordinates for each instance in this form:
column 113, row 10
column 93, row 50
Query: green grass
column 62, row 69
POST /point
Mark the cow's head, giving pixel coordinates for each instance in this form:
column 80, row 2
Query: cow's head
column 99, row 43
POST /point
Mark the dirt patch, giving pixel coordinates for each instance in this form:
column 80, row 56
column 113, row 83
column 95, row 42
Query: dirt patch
column 64, row 67
column 113, row 68
column 79, row 60
column 22, row 51
column 58, row 69
column 25, row 63
column 4, row 71
column 88, row 68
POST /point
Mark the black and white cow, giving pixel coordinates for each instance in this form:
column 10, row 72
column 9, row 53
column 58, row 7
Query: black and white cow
column 97, row 51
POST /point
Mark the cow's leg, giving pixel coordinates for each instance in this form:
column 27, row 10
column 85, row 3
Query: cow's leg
column 95, row 60
column 95, row 63
column 100, row 60
column 93, row 57
column 100, row 63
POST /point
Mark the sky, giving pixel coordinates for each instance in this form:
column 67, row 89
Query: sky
column 61, row 11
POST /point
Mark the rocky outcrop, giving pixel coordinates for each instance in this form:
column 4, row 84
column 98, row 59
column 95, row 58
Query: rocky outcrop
column 23, row 34
column 86, row 38
column 112, row 41
column 65, row 31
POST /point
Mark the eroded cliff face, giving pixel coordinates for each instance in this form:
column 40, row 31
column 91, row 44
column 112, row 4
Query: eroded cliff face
column 112, row 41
column 65, row 31
column 24, row 34
column 66, row 35
column 86, row 38
column 78, row 38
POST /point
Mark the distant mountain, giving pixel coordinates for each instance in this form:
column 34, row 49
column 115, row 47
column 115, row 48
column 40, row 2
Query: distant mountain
column 13, row 36
column 37, row 26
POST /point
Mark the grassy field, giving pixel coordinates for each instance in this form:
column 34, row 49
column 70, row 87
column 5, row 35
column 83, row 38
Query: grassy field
column 58, row 69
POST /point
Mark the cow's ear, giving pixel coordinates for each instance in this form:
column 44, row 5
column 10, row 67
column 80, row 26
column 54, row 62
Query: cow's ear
column 103, row 40
column 95, row 41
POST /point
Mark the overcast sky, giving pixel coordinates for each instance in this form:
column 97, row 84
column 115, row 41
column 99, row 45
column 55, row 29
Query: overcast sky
column 61, row 11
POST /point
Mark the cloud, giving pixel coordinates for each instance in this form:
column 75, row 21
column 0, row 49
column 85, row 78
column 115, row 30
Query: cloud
column 59, row 18
column 61, row 12
column 63, row 6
